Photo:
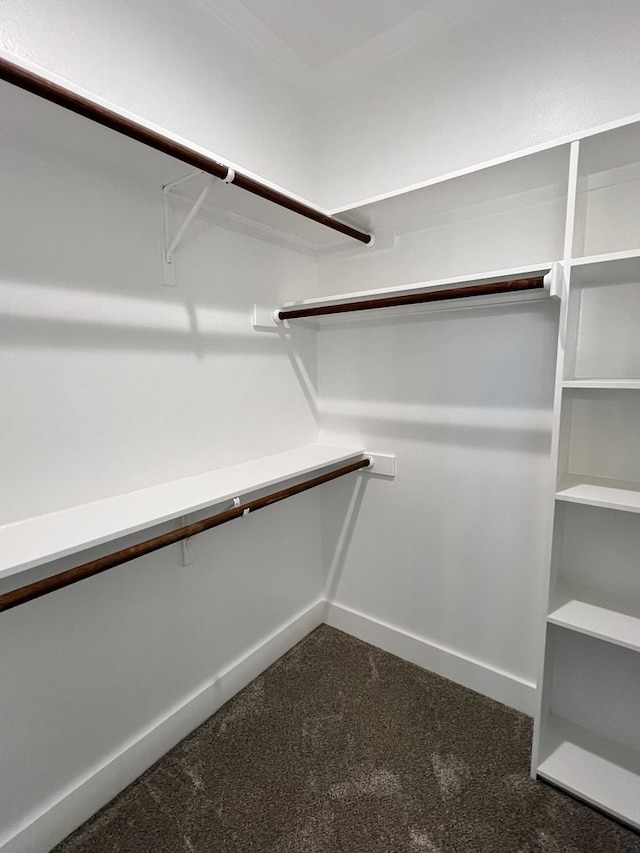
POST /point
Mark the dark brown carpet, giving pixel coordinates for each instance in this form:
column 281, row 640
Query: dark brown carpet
column 342, row 748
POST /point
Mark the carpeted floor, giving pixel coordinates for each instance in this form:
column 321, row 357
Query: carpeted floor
column 342, row 748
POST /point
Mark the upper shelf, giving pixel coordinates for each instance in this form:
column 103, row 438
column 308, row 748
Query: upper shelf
column 51, row 117
column 610, row 268
column 39, row 540
column 542, row 173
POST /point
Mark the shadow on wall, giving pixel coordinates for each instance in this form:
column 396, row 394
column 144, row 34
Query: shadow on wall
column 338, row 527
column 531, row 433
column 91, row 230
column 497, row 358
column 187, row 330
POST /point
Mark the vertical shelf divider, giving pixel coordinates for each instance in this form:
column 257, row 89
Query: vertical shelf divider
column 572, row 192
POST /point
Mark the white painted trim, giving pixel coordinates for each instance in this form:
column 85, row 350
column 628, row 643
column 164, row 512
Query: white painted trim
column 474, row 674
column 71, row 807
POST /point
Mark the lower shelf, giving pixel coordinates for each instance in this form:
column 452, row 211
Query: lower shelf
column 39, row 540
column 601, row 772
column 615, row 619
column 613, row 494
column 605, row 384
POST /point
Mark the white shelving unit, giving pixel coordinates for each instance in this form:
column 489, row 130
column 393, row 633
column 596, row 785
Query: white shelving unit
column 44, row 538
column 587, row 733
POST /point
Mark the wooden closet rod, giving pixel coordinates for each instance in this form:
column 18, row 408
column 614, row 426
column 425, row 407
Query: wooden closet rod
column 94, row 567
column 414, row 298
column 57, row 94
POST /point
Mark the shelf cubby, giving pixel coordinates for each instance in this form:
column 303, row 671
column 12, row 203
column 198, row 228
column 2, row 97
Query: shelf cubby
column 608, row 199
column 596, row 573
column 599, row 444
column 604, row 315
column 593, row 768
column 594, row 684
column 590, row 739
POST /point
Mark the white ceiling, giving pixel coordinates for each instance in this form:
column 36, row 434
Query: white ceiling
column 318, row 42
column 320, row 33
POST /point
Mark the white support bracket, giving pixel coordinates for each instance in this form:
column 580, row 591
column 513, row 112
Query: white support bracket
column 554, row 280
column 264, row 319
column 170, row 243
column 188, row 548
column 382, row 465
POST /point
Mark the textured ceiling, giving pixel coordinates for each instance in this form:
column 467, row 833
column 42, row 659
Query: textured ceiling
column 320, row 33
column 318, row 43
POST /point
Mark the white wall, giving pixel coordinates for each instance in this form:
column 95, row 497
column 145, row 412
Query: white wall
column 174, row 64
column 110, row 382
column 510, row 75
column 169, row 369
column 451, row 552
column 444, row 564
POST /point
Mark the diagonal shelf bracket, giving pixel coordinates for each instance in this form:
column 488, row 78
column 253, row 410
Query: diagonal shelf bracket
column 170, row 240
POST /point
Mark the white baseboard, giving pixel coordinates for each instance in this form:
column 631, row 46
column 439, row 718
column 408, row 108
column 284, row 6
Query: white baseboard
column 70, row 808
column 478, row 676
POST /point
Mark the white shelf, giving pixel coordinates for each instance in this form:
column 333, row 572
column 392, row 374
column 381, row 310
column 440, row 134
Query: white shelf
column 612, row 494
column 599, row 771
column 39, row 540
column 607, row 384
column 551, row 271
column 72, row 137
column 615, row 619
column 614, row 267
column 464, row 190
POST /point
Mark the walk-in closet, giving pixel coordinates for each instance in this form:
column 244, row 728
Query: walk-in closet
column 320, row 372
